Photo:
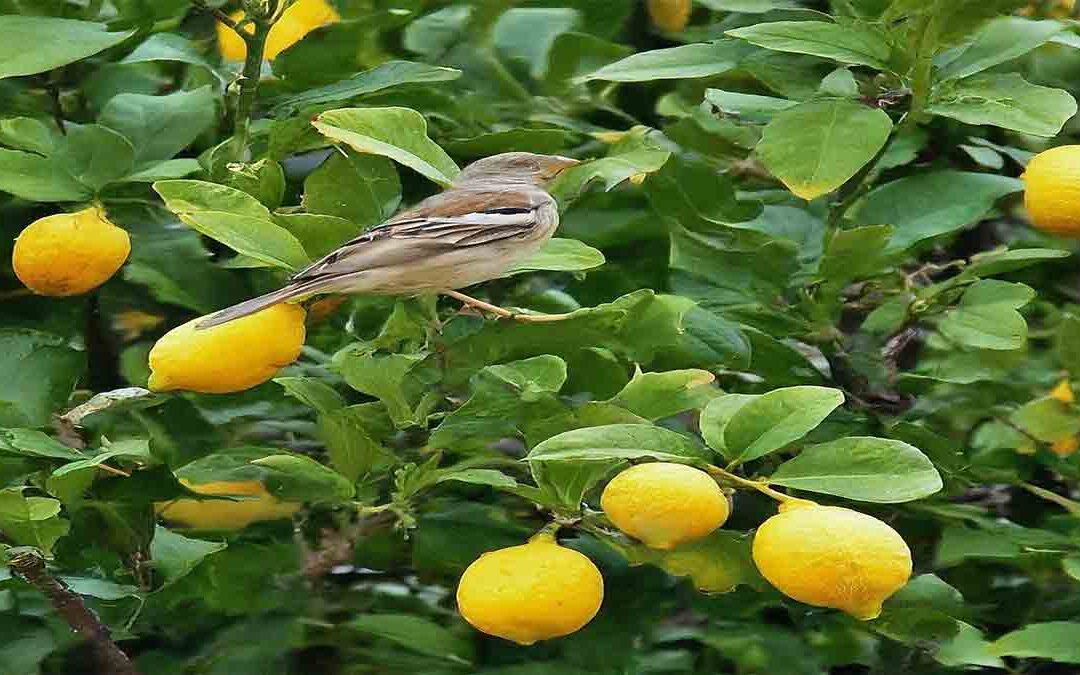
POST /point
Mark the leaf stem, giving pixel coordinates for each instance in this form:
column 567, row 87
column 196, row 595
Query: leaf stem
column 760, row 486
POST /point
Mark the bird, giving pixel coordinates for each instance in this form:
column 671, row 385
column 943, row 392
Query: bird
column 496, row 213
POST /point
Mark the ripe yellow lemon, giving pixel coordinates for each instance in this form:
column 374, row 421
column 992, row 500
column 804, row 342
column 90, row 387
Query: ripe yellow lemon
column 670, row 15
column 1052, row 190
column 535, row 591
column 69, row 253
column 830, row 556
column 297, row 21
column 231, row 357
column 255, row 504
column 1063, row 447
column 664, row 504
column 1063, row 392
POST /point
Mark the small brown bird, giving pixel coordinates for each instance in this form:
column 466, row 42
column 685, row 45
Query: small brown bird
column 496, row 213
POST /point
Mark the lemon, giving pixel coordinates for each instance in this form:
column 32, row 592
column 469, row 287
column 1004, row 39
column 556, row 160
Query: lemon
column 1052, row 190
column 1063, row 392
column 69, row 253
column 230, row 357
column 532, row 592
column 255, row 504
column 1063, row 447
column 830, row 556
column 664, row 504
column 670, row 15
column 297, row 21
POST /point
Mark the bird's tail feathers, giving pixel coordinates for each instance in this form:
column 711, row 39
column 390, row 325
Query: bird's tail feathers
column 253, row 305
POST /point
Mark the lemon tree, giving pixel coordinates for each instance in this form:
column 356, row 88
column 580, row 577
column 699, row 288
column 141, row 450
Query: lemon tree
column 811, row 410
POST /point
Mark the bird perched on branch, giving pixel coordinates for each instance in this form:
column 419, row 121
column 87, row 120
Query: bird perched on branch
column 495, row 214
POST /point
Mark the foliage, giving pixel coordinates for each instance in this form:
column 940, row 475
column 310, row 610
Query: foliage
column 796, row 256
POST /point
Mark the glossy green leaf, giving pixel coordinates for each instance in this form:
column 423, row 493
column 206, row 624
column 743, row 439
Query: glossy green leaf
column 397, row 133
column 36, row 44
column 159, row 127
column 1056, row 640
column 384, row 76
column 857, row 44
column 987, row 318
column 752, row 428
column 685, row 62
column 866, row 469
column 618, row 441
column 1006, row 101
column 1001, row 40
column 815, row 147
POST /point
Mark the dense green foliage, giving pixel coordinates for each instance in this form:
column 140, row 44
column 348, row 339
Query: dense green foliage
column 889, row 345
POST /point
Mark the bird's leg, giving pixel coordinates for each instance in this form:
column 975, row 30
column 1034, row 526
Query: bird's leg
column 501, row 312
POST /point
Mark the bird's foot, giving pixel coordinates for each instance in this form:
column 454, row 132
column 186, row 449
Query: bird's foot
column 501, row 312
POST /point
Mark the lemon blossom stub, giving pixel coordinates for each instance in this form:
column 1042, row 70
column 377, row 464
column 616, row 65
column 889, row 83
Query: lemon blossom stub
column 665, row 504
column 1052, row 190
column 295, row 23
column 830, row 556
column 532, row 592
column 253, row 504
column 69, row 253
column 230, row 357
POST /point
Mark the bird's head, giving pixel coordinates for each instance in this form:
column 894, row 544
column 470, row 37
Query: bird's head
column 515, row 167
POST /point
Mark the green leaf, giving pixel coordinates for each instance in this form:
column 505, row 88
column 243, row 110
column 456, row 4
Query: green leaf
column 987, row 318
column 715, row 418
column 319, row 234
column 495, row 479
column 770, row 421
column 933, row 203
column 36, row 44
column 1056, row 640
column 174, row 556
column 31, row 443
column 1001, row 40
column 71, row 480
column 36, row 178
column 160, row 126
column 993, row 263
column 751, row 107
column 1007, row 101
column 350, row 435
column 397, row 133
column 39, row 371
column 717, row 563
column 170, row 47
column 234, row 218
column 639, row 151
column 384, row 76
column 657, row 395
column 299, row 478
column 505, row 398
column 387, row 378
column 31, row 521
column 815, row 147
column 313, row 393
column 1047, row 419
column 857, row 44
column 854, row 254
column 415, row 633
column 560, row 255
column 1067, row 344
column 264, row 180
column 95, row 155
column 967, row 648
column 618, row 441
column 688, row 61
column 527, row 34
column 540, row 141
column 363, row 189
column 863, row 468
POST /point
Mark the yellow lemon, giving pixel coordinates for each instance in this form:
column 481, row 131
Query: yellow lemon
column 1063, row 392
column 670, row 15
column 830, row 556
column 296, row 22
column 255, row 504
column 1063, row 447
column 231, row 357
column 664, row 504
column 1052, row 190
column 535, row 591
column 69, row 253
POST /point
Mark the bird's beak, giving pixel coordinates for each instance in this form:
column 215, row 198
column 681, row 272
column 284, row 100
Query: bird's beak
column 558, row 164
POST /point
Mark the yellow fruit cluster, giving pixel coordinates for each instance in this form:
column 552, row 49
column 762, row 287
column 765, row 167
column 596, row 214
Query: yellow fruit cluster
column 1052, row 191
column 295, row 23
column 670, row 15
column 250, row 503
column 69, row 253
column 825, row 556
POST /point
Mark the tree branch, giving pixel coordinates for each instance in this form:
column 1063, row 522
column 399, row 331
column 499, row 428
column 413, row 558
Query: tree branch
column 29, row 566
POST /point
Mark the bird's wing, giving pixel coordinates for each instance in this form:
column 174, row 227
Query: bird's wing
column 450, row 220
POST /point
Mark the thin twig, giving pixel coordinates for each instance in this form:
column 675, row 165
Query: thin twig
column 760, row 486
column 221, row 16
column 29, row 566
